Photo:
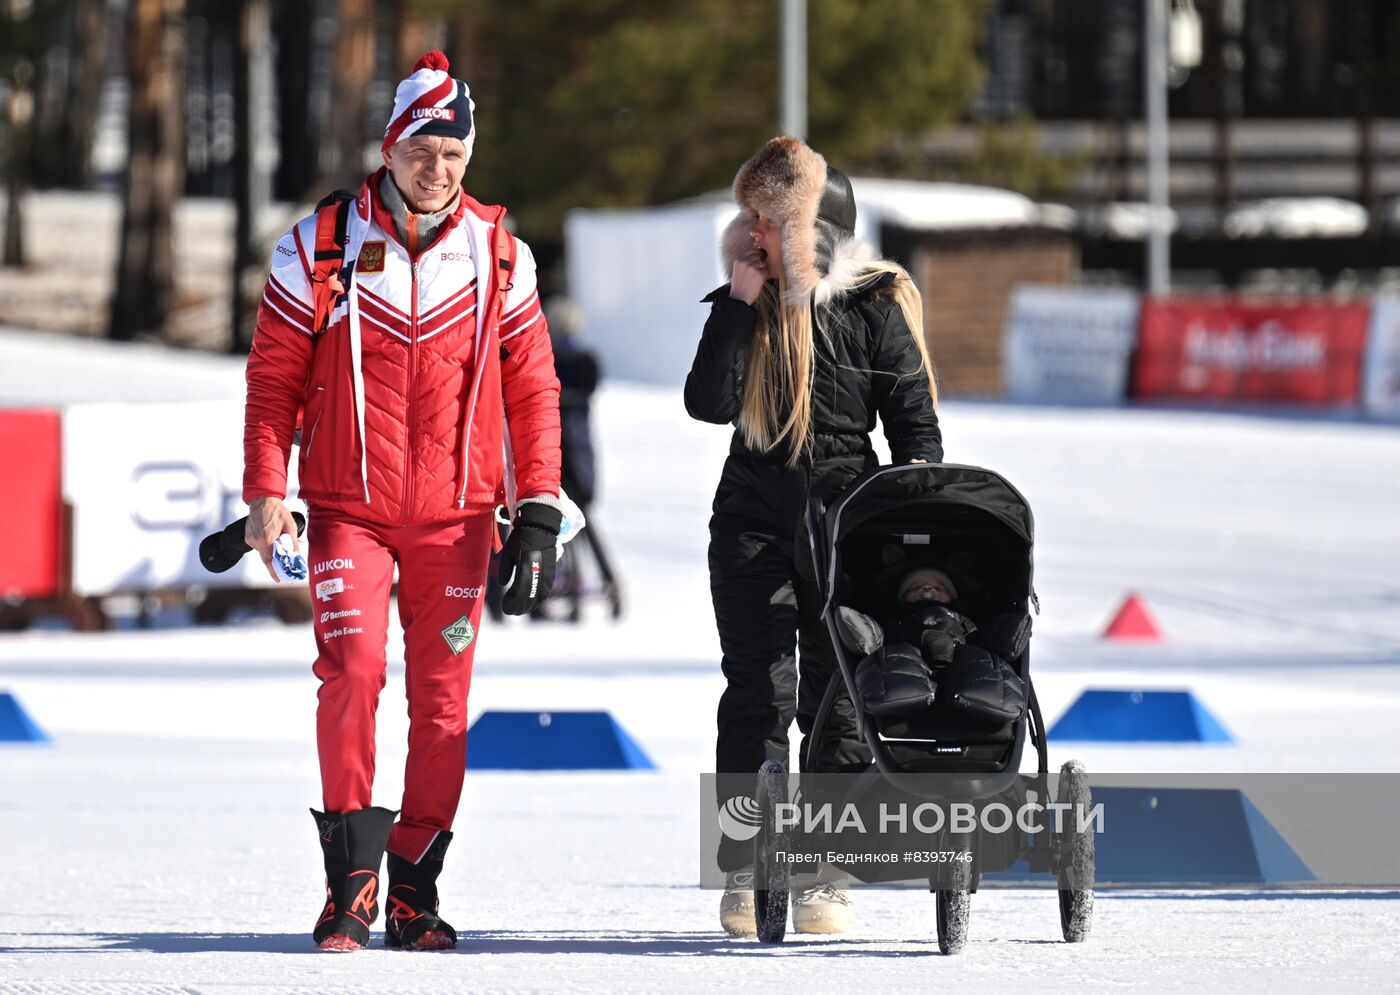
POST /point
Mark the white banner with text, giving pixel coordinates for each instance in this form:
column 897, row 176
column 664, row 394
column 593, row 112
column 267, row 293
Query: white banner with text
column 147, row 482
column 1069, row 344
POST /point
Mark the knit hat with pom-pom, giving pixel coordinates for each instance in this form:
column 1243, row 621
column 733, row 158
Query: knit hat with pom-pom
column 431, row 102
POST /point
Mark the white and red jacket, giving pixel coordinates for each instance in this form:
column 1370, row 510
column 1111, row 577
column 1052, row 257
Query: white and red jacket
column 406, row 393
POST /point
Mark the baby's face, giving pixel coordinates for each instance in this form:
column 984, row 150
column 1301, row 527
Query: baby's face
column 926, row 585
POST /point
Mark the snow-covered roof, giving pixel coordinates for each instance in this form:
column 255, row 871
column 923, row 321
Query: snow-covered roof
column 1297, row 217
column 925, row 206
column 1127, row 220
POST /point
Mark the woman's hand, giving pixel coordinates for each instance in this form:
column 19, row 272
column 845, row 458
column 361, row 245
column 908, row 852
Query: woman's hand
column 747, row 278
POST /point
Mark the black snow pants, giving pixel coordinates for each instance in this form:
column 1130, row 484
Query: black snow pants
column 769, row 620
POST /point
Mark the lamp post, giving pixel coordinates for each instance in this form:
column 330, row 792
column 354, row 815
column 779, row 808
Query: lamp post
column 1155, row 93
column 794, row 71
column 1163, row 68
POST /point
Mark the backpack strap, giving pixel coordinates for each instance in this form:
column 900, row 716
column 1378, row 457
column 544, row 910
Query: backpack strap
column 503, row 252
column 503, row 256
column 328, row 268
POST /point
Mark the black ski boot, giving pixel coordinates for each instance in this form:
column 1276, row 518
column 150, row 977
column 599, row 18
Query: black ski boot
column 411, row 921
column 353, row 846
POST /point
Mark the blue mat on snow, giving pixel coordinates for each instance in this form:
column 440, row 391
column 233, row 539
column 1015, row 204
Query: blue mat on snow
column 510, row 740
column 15, row 724
column 1213, row 836
column 1104, row 715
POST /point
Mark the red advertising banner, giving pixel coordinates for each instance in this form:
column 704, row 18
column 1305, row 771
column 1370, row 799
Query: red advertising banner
column 31, row 504
column 1300, row 352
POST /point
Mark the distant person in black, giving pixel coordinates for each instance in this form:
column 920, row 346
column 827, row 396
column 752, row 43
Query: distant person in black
column 579, row 373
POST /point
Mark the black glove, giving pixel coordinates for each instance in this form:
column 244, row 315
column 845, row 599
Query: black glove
column 527, row 560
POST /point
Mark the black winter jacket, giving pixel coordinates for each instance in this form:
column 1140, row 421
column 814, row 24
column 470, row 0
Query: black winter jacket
column 866, row 364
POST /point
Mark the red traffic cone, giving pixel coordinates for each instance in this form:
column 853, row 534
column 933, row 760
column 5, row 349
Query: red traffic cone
column 1133, row 621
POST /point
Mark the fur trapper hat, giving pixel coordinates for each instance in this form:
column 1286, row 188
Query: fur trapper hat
column 793, row 185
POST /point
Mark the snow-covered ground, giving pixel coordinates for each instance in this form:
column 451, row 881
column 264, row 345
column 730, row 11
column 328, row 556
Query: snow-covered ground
column 162, row 842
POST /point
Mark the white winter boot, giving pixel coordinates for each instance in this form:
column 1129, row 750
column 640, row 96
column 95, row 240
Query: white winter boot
column 822, row 905
column 736, row 906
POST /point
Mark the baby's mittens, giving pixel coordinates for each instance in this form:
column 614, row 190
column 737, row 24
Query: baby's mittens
column 1006, row 635
column 944, row 630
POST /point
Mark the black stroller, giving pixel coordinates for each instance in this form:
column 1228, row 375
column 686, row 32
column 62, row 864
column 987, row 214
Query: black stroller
column 978, row 519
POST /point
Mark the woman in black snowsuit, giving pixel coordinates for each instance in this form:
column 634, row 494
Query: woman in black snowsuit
column 812, row 338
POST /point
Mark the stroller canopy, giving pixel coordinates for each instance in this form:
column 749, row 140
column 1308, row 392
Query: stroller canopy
column 938, row 499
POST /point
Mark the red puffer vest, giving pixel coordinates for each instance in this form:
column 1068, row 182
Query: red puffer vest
column 406, row 395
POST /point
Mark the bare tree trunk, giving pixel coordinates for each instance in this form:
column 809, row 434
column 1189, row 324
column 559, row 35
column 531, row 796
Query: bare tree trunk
column 18, row 52
column 346, row 135
column 70, row 53
column 464, row 39
column 1368, row 166
column 20, row 109
column 294, row 23
column 145, row 286
column 87, row 60
column 414, row 36
column 1368, row 130
column 251, row 175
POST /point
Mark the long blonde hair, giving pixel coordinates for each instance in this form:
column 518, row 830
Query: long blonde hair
column 781, row 367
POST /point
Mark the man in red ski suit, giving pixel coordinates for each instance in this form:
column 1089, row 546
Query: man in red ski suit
column 419, row 361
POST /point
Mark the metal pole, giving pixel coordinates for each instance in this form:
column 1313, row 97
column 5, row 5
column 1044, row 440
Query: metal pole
column 1155, row 91
column 794, row 71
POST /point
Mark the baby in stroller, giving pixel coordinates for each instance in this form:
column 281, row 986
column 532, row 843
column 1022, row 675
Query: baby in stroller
column 930, row 650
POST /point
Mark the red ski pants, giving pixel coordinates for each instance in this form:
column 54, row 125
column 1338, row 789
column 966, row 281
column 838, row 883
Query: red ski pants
column 442, row 580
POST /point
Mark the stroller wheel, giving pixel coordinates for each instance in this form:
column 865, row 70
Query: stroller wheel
column 954, row 909
column 771, row 878
column 1074, row 856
